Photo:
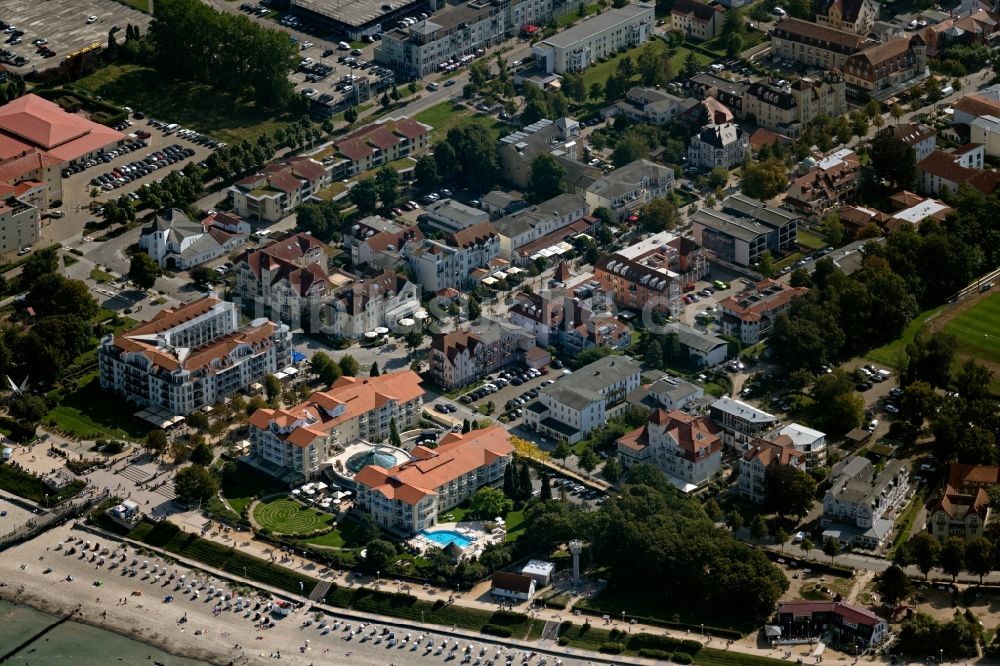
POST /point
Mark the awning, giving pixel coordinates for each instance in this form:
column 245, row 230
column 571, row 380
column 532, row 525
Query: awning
column 291, row 371
column 489, row 280
column 371, row 335
column 420, row 314
column 500, row 275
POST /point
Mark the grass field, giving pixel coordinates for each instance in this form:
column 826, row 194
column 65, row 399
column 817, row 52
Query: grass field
column 89, row 412
column 600, row 72
column 286, row 516
column 889, row 354
column 32, row 488
column 442, row 117
column 243, row 483
column 808, row 240
column 346, row 535
column 978, row 330
column 99, row 276
column 195, row 106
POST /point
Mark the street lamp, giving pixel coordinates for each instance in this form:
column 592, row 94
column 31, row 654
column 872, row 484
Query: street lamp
column 623, row 616
column 702, row 629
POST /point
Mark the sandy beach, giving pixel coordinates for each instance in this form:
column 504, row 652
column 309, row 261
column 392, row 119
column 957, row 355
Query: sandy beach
column 192, row 627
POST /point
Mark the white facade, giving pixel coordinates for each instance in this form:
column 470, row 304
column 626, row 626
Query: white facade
column 603, row 35
column 808, row 441
column 725, row 145
column 442, row 264
column 175, row 242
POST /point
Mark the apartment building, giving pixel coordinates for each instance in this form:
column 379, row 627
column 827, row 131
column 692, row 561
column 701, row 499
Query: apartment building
column 725, row 145
column 466, row 355
column 409, row 497
column 451, row 216
column 744, row 229
column 813, row 44
column 963, row 507
column 750, row 314
column 787, row 108
column 286, row 278
column 530, row 224
column 740, row 422
column 176, row 242
column 856, row 16
column 651, row 273
column 364, row 305
column 687, row 449
column 942, row 170
column 558, row 138
column 600, row 36
column 19, row 224
column 811, row 443
column 32, row 176
column 922, row 138
column 191, row 356
column 300, row 440
column 759, row 458
column 272, row 194
column 697, row 20
column 650, row 105
column 450, row 262
column 573, row 407
column 628, row 188
column 860, row 507
column 831, row 182
column 666, row 392
column 377, row 144
column 887, row 69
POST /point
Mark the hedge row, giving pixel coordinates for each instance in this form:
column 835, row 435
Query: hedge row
column 497, row 630
column 665, row 643
column 718, row 632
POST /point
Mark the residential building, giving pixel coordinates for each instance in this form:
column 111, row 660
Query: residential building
column 787, row 108
column 833, row 181
column 650, row 273
column 886, row 69
column 650, row 105
column 383, row 249
column 409, row 497
column 727, row 94
column 34, row 124
column 540, row 570
column 176, row 242
column 273, row 194
column 854, row 15
column 958, row 513
column 973, row 477
column 601, row 36
column 703, row 349
column 847, row 624
column 500, row 202
column 19, row 225
column 978, row 26
column 507, row 585
column 725, row 145
column 813, row 44
column 628, row 188
column 530, row 224
column 750, row 314
column 759, row 458
column 557, row 138
column 450, row 262
column 921, row 138
column 860, row 507
column 942, row 170
column 975, row 105
column 466, row 355
column 376, row 145
column 191, row 356
column 740, row 422
column 450, row 216
column 573, row 407
column 301, row 440
column 914, row 213
column 666, row 392
column 811, row 443
column 367, row 304
column 287, row 278
column 687, row 449
column 697, row 20
column 33, row 177
column 744, row 229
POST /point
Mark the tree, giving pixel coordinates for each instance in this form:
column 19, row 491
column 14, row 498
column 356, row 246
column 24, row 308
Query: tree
column 524, row 483
column 659, row 215
column 765, row 264
column 467, row 426
column 368, row 529
column 548, row 178
column 952, row 556
column 562, row 450
column 42, row 262
column 807, row 546
column 919, row 401
column 758, row 528
column 198, row 420
column 351, row 114
column 973, row 381
column 587, row 460
column 831, row 548
column 272, row 387
column 833, row 229
column 364, row 195
column 546, row 491
column 195, row 484
column 630, row 148
column 489, row 502
column 426, row 172
column 925, row 550
column 475, row 155
column 387, row 186
column 735, row 520
column 156, row 442
column 143, row 271
column 654, row 355
column 764, row 180
column 348, row 365
column 379, row 554
column 893, row 161
column 475, row 309
column 575, row 87
column 509, row 474
column 324, row 367
column 780, row 538
column 788, row 491
column 202, row 455
column 596, row 91
column 718, row 177
column 979, row 557
column 612, row 470
column 28, row 407
column 894, row 585
column 414, row 338
column 374, row 371
column 203, row 276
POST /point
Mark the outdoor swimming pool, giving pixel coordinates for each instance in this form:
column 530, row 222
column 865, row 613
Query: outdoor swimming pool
column 445, row 537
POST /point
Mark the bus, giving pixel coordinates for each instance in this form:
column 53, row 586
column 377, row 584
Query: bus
column 720, row 285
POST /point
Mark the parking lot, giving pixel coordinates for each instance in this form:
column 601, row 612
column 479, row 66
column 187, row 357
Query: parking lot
column 64, row 25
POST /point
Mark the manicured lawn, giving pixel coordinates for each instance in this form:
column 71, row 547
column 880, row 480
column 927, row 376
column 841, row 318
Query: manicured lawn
column 171, row 538
column 788, row 261
column 751, row 38
column 346, row 535
column 442, row 117
column 402, row 163
column 286, row 516
column 889, row 354
column 195, row 106
column 32, row 488
column 515, row 524
column 978, row 330
column 811, row 241
column 332, row 191
column 637, row 602
column 89, row 412
column 99, row 276
column 600, row 72
column 714, row 657
column 141, row 5
column 241, row 483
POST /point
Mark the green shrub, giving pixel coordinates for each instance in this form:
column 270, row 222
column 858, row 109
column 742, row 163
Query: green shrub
column 438, row 604
column 682, row 658
column 664, row 643
column 497, row 630
column 656, row 654
column 563, row 641
column 565, row 626
column 504, row 617
column 612, row 648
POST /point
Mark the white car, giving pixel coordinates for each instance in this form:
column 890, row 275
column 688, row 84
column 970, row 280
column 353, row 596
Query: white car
column 91, row 19
column 891, row 408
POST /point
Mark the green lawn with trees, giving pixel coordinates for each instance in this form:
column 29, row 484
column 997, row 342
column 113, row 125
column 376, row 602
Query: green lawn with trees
column 446, row 115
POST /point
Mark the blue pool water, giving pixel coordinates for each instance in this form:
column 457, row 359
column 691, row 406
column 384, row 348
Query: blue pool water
column 444, row 537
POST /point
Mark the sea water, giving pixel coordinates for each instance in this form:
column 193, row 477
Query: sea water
column 72, row 643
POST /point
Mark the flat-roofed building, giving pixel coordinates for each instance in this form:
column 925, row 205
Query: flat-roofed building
column 191, row 356
column 744, row 229
column 450, row 216
column 19, row 225
column 601, row 36
column 810, row 442
column 357, row 18
column 740, row 422
column 628, row 188
column 530, row 224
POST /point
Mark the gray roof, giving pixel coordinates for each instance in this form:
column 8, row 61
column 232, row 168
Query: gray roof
column 741, row 228
column 575, row 397
column 628, row 178
column 672, row 390
column 501, row 199
column 597, row 24
column 742, row 410
column 720, row 136
column 449, row 209
column 523, row 220
column 605, row 372
column 708, row 80
column 490, row 330
column 740, row 204
column 695, row 339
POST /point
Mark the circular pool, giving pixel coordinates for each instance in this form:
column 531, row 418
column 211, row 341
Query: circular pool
column 383, row 456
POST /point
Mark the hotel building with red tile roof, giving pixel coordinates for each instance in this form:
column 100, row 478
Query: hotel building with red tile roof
column 191, row 356
column 32, row 123
column 302, row 439
column 378, row 144
column 409, row 497
column 273, row 193
column 686, row 448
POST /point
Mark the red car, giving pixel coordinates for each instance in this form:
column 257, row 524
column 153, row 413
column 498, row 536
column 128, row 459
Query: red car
column 397, row 211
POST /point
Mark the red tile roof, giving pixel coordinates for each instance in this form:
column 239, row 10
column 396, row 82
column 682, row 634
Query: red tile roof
column 31, row 122
column 849, row 612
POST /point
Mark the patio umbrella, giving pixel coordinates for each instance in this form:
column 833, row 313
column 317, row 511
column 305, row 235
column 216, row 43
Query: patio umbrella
column 407, row 322
column 371, row 335
column 296, row 492
column 381, row 330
